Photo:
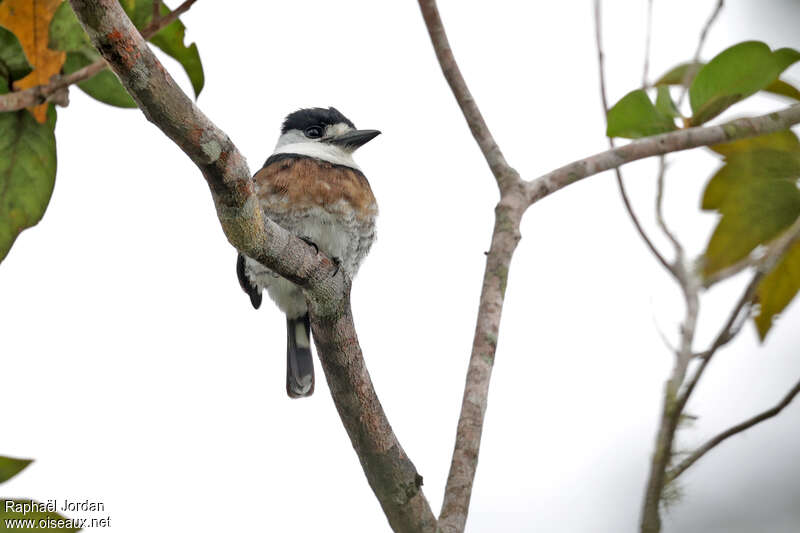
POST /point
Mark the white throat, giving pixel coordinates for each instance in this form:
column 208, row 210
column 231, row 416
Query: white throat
column 320, row 150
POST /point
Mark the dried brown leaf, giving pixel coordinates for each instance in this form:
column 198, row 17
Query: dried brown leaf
column 30, row 22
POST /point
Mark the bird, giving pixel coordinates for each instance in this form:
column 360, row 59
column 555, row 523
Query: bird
column 312, row 187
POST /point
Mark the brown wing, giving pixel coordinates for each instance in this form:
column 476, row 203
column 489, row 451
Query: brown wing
column 304, row 182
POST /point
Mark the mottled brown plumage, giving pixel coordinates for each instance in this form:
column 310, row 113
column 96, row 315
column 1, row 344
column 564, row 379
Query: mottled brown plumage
column 306, row 182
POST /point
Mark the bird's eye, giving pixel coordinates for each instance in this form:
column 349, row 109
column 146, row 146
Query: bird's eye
column 313, row 132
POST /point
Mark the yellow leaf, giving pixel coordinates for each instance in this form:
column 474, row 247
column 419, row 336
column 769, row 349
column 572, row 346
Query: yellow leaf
column 30, row 22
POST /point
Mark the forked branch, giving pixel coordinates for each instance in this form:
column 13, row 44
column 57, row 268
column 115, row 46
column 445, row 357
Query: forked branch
column 505, row 237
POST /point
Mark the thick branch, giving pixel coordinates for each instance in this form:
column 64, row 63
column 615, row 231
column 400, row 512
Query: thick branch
column 389, row 471
column 708, row 446
column 660, row 144
column 34, row 96
column 461, row 477
column 505, row 175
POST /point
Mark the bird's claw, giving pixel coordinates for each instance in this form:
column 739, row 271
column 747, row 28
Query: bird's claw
column 309, row 242
column 335, row 260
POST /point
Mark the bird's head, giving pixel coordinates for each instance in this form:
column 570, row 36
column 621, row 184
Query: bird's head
column 323, row 133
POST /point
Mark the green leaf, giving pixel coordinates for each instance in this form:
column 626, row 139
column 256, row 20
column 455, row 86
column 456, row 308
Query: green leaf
column 735, row 74
column 635, row 116
column 12, row 58
column 66, row 33
column 753, row 215
column 777, row 290
column 169, row 40
column 756, row 193
column 40, row 518
column 677, row 75
column 785, row 141
column 10, row 467
column 745, row 168
column 27, row 172
column 664, row 103
column 782, row 88
column 103, row 86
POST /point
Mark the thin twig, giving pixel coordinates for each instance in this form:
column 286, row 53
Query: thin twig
column 157, row 24
column 34, row 96
column 691, row 70
column 629, row 208
column 708, row 446
column 730, row 271
column 723, row 337
column 672, row 411
column 662, row 169
column 663, row 336
column 649, row 35
column 620, row 183
column 775, row 251
column 156, row 11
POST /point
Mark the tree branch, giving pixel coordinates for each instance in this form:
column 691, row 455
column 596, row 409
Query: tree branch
column 665, row 143
column 618, row 173
column 505, row 175
column 679, row 389
column 390, row 473
column 708, row 446
column 662, row 223
column 505, row 237
column 40, row 94
column 672, row 409
column 158, row 22
column 692, row 69
column 775, row 251
column 648, row 38
column 671, row 413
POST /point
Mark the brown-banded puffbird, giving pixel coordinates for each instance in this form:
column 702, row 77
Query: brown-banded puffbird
column 311, row 186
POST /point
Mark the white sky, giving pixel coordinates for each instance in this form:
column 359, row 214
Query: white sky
column 136, row 373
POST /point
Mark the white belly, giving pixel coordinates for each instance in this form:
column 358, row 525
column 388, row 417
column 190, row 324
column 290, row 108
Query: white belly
column 339, row 235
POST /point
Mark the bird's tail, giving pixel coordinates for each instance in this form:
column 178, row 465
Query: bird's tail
column 299, row 363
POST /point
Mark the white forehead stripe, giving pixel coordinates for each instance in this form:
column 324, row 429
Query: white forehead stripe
column 337, row 129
